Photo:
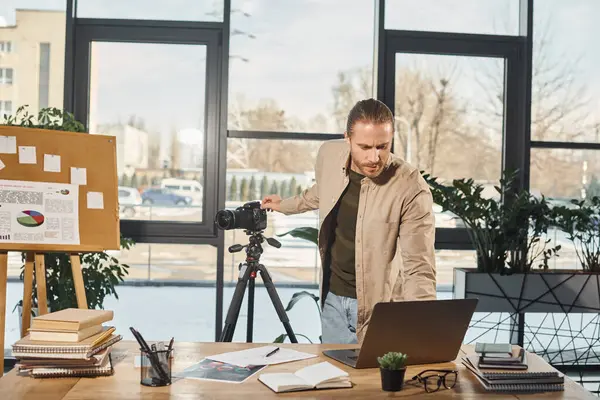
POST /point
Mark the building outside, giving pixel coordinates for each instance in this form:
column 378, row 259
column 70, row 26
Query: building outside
column 132, row 147
column 32, row 56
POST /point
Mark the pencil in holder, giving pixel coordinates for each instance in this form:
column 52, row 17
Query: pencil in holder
column 155, row 368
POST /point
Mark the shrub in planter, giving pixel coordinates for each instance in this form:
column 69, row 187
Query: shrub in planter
column 392, row 366
column 509, row 233
column 101, row 274
column 581, row 222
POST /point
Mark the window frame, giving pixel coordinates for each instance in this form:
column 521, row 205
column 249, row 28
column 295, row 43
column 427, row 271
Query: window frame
column 175, row 32
column 511, row 49
column 159, row 32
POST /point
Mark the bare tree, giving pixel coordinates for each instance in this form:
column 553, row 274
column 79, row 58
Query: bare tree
column 559, row 112
column 428, row 107
column 351, row 86
column 175, row 152
column 266, row 155
column 434, row 112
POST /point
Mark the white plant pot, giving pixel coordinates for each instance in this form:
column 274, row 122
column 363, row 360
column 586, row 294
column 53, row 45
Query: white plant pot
column 552, row 291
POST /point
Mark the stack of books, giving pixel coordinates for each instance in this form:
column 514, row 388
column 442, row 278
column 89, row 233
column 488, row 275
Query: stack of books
column 500, row 356
column 499, row 368
column 72, row 342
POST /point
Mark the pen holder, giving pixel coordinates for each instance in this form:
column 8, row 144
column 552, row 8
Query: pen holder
column 155, row 368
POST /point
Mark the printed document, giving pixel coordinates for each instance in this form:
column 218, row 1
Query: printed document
column 39, row 213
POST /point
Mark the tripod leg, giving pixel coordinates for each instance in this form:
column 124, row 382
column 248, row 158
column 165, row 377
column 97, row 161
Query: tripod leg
column 236, row 303
column 250, row 320
column 277, row 302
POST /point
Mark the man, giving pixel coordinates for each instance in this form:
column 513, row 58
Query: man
column 377, row 228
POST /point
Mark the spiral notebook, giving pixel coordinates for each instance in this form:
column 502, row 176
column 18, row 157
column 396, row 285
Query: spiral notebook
column 106, row 369
column 539, row 378
column 81, row 350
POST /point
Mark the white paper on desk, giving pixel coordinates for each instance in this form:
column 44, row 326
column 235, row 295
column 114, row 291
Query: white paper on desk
column 51, row 163
column 8, row 144
column 27, row 155
column 256, row 356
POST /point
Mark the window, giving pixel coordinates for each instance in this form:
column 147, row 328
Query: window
column 6, row 47
column 256, row 168
column 299, row 66
column 566, row 79
column 5, row 108
column 444, row 105
column 159, row 122
column 447, row 260
column 304, row 316
column 498, row 17
column 176, row 10
column 44, row 79
column 6, row 76
column 563, row 174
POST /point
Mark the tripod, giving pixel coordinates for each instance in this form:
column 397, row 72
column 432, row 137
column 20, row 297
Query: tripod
column 247, row 275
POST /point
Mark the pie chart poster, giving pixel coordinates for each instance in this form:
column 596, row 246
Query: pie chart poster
column 39, row 213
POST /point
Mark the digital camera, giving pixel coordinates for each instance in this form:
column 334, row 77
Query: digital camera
column 249, row 217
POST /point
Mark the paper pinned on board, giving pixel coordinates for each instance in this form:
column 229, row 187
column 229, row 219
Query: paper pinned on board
column 39, row 213
column 2, row 165
column 8, row 145
column 78, row 176
column 27, row 155
column 51, row 163
column 95, row 200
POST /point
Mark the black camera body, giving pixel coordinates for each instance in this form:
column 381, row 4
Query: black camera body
column 249, row 217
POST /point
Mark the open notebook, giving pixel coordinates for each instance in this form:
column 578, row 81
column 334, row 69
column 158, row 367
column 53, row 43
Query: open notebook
column 318, row 376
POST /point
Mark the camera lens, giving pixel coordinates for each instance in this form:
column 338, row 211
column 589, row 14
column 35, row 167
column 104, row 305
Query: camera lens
column 225, row 219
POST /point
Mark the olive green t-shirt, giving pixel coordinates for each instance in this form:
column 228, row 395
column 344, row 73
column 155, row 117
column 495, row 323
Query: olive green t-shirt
column 343, row 274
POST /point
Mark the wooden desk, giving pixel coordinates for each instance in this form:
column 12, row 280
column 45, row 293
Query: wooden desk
column 124, row 384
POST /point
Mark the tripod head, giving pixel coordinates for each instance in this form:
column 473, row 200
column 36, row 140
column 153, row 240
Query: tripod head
column 254, row 247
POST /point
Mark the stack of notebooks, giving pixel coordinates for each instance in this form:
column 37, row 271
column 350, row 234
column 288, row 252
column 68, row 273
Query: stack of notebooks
column 500, row 369
column 68, row 343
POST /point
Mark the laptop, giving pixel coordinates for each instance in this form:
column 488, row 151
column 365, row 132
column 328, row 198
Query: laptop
column 430, row 331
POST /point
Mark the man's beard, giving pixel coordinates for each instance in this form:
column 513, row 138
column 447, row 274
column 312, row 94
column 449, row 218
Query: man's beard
column 370, row 172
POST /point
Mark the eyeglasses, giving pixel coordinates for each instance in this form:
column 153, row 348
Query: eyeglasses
column 433, row 379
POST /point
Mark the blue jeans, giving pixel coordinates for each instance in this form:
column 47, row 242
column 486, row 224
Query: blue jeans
column 338, row 320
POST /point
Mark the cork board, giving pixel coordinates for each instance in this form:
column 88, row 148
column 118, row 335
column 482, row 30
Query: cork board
column 98, row 227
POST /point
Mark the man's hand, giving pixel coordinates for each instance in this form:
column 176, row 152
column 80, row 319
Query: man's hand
column 271, row 202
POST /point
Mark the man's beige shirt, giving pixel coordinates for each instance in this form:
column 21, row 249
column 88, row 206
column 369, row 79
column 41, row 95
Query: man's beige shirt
column 395, row 229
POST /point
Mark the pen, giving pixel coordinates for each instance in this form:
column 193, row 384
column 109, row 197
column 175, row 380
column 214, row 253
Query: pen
column 151, row 355
column 273, row 352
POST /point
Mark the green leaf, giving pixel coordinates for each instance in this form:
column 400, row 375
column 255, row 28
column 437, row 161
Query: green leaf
column 280, row 338
column 296, row 297
column 306, row 233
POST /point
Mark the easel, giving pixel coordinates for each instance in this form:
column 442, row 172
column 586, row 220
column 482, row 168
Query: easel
column 34, row 259
column 98, row 226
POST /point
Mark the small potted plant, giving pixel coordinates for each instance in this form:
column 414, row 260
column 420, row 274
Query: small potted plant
column 393, row 367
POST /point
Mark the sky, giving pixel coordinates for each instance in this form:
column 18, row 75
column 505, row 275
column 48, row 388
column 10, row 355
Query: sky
column 290, row 59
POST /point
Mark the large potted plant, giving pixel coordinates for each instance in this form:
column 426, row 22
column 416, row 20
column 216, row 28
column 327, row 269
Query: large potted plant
column 101, row 272
column 509, row 234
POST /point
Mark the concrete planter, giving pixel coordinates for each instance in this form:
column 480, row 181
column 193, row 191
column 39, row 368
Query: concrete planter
column 552, row 291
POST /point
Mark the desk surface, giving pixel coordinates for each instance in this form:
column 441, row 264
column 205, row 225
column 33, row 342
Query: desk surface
column 124, row 384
